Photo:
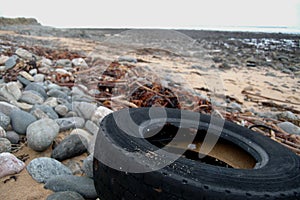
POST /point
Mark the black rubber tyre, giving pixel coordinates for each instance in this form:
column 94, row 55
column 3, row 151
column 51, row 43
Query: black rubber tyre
column 276, row 176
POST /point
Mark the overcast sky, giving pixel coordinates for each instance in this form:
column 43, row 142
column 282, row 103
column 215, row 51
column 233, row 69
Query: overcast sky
column 156, row 13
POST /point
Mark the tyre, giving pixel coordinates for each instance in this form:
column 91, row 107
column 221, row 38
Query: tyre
column 275, row 173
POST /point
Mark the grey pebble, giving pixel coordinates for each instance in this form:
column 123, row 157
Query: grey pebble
column 62, row 110
column 7, row 108
column 43, row 168
column 23, row 80
column 48, row 110
column 32, row 97
column 57, row 93
column 91, row 127
column 20, row 120
column 84, row 109
column 289, row 127
column 13, row 137
column 66, row 195
column 82, row 185
column 71, row 146
column 88, row 165
column 38, row 88
column 70, row 123
column 5, row 145
column 4, row 121
column 41, row 134
column 11, row 62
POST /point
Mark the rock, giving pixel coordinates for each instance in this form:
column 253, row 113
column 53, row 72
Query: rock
column 127, row 59
column 45, row 62
column 26, row 75
column 251, row 62
column 82, row 185
column 24, row 106
column 74, row 167
column 64, row 63
column 287, row 115
column 71, row 146
column 100, row 113
column 51, row 101
column 4, row 121
column 289, row 127
column 33, row 72
column 7, row 108
column 20, row 120
column 39, row 78
column 46, row 110
column 43, row 168
column 225, row 65
column 80, row 62
column 70, row 123
column 11, row 62
column 32, row 97
column 24, row 54
column 66, row 195
column 14, row 89
column 2, row 133
column 62, row 110
column 10, row 164
column 57, row 93
column 270, row 74
column 3, row 59
column 88, row 166
column 84, row 109
column 13, row 137
column 41, row 134
column 286, row 71
column 37, row 88
column 5, row 95
column 91, row 127
column 39, row 114
column 5, row 145
column 23, row 80
column 235, row 106
column 269, row 115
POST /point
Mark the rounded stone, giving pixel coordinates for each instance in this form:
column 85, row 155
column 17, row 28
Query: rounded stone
column 13, row 137
column 10, row 164
column 38, row 88
column 32, row 97
column 43, row 168
column 41, row 134
column 289, row 128
column 70, row 123
column 5, row 145
column 66, row 195
column 20, row 120
column 4, row 121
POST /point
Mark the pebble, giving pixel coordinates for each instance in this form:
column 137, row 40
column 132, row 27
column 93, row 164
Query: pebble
column 51, row 101
column 32, row 97
column 5, row 145
column 91, row 127
column 2, row 133
column 4, row 121
column 235, row 106
column 13, row 137
column 71, row 146
column 84, row 109
column 64, row 63
column 7, row 108
column 57, row 93
column 20, row 120
column 39, row 78
column 43, row 168
column 14, row 89
column 80, row 62
column 269, row 115
column 83, row 185
column 3, row 59
column 287, row 115
column 24, row 54
column 45, row 62
column 41, row 134
column 37, row 88
column 10, row 164
column 88, row 166
column 46, row 110
column 127, row 59
column 74, row 167
column 70, row 123
column 11, row 62
column 62, row 110
column 26, row 75
column 289, row 127
column 100, row 113
column 24, row 106
column 5, row 94
column 66, row 195
column 33, row 72
column 23, row 80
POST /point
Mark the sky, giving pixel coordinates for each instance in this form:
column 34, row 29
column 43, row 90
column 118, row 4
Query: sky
column 156, row 13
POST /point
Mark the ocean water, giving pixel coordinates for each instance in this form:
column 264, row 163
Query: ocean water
column 262, row 29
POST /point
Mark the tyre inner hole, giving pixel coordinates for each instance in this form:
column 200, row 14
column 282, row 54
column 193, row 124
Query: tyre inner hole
column 224, row 153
